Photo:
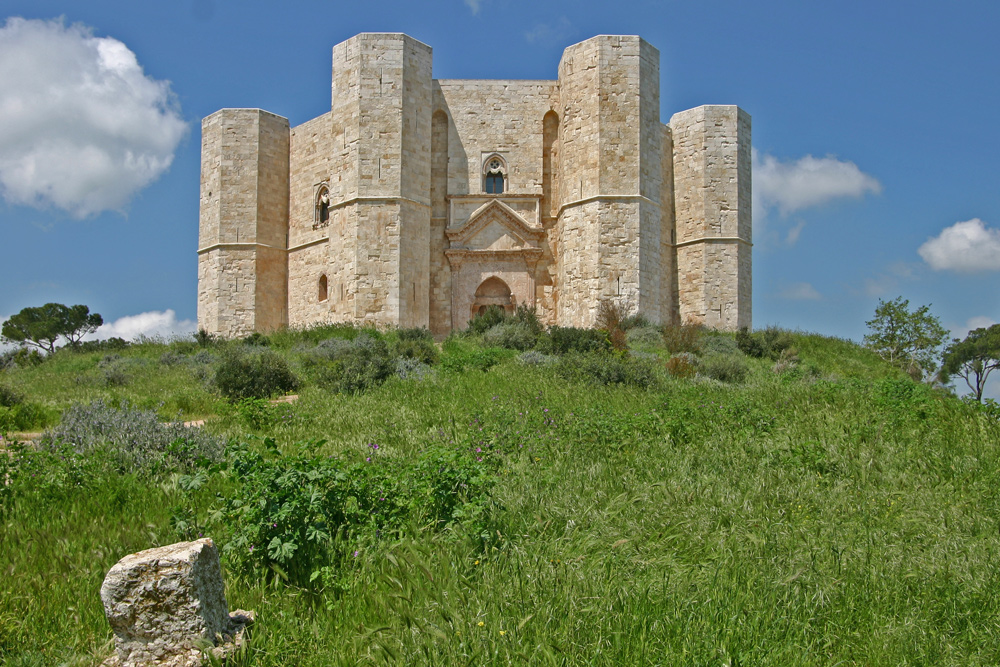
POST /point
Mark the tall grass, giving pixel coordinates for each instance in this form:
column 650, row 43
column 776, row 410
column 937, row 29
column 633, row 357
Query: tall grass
column 848, row 516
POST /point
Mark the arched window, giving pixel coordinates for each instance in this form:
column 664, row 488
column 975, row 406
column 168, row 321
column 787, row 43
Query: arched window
column 494, row 175
column 322, row 215
column 323, row 293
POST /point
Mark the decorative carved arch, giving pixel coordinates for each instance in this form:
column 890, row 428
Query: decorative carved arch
column 492, row 292
column 495, row 174
column 321, row 215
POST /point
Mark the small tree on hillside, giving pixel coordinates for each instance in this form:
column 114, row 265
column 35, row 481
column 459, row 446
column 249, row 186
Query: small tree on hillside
column 908, row 339
column 42, row 326
column 973, row 358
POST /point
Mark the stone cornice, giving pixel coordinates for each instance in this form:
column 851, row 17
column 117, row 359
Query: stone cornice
column 505, row 215
column 244, row 246
column 712, row 239
column 587, row 200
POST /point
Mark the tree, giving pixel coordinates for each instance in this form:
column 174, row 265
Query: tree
column 973, row 358
column 910, row 340
column 42, row 326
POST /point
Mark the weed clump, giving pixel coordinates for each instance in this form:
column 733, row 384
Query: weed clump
column 768, row 343
column 729, row 368
column 356, row 366
column 259, row 373
column 417, row 344
column 608, row 369
column 135, row 439
column 563, row 340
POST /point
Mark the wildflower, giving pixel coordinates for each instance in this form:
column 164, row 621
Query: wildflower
column 481, row 624
column 503, row 632
column 476, row 563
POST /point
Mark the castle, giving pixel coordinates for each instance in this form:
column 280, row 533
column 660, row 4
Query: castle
column 418, row 202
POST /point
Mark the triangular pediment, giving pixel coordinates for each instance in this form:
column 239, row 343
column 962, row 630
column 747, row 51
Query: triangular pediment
column 495, row 226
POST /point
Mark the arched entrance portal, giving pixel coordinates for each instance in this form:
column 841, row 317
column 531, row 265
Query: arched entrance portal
column 492, row 292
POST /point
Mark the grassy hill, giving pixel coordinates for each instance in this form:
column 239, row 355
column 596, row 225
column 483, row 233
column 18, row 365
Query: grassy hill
column 504, row 507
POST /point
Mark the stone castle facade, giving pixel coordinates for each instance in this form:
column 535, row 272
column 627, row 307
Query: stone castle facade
column 418, row 202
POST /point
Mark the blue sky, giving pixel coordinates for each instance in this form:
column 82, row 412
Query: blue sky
column 874, row 126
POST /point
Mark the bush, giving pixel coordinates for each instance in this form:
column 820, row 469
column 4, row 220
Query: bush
column 408, row 368
column 25, row 416
column 491, row 317
column 135, row 439
column 357, row 366
column 769, row 343
column 607, row 369
column 683, row 365
column 511, row 335
column 535, row 358
column 297, row 513
column 417, row 344
column 20, row 357
column 256, row 339
column 9, row 397
column 647, row 336
column 717, row 343
column 678, row 338
column 563, row 340
column 729, row 368
column 107, row 345
column 259, row 373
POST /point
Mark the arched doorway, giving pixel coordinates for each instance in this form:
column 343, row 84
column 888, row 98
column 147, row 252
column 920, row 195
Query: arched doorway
column 492, row 292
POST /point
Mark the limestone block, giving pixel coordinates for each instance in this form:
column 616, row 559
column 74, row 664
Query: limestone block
column 165, row 604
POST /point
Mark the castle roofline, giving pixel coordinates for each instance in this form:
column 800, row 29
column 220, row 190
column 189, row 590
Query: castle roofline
column 378, row 35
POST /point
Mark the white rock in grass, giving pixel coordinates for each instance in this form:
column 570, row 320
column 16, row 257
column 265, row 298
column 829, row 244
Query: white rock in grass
column 167, row 606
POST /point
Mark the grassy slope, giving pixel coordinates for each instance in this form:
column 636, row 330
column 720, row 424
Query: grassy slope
column 785, row 521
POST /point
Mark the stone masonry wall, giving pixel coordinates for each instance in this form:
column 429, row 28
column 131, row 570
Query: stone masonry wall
column 712, row 199
column 243, row 222
column 610, row 145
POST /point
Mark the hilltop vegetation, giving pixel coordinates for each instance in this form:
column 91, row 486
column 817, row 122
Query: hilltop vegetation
column 514, row 496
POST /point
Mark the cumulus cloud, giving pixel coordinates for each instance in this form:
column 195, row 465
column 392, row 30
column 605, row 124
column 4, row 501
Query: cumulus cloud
column 474, row 5
column 155, row 323
column 965, row 247
column 82, row 127
column 800, row 292
column 977, row 322
column 806, row 182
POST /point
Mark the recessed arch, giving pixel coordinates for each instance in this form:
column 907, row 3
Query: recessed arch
column 494, row 174
column 492, row 292
column 323, row 290
column 321, row 216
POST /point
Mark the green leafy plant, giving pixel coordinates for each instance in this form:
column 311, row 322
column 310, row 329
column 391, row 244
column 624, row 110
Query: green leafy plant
column 908, row 339
column 259, row 373
column 973, row 359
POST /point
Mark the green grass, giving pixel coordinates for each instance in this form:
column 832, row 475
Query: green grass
column 850, row 517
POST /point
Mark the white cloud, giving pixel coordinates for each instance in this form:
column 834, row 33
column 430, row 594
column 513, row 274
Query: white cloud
column 155, row 323
column 793, row 234
column 82, row 127
column 806, row 182
column 965, row 247
column 977, row 322
column 474, row 5
column 556, row 33
column 800, row 292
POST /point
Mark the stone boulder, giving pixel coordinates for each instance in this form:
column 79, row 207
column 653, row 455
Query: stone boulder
column 167, row 606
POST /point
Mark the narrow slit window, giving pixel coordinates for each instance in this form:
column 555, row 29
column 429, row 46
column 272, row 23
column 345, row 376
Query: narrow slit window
column 322, row 288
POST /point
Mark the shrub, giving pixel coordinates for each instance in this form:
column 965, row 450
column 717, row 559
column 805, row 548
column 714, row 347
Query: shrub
column 511, row 335
column 296, row 513
column 135, row 439
column 562, row 340
column 20, row 357
column 607, row 369
column 257, row 339
column 260, row 373
column 107, row 345
column 491, row 317
column 24, row 416
column 770, row 342
column 204, row 339
column 535, row 358
column 729, row 368
column 417, row 344
column 610, row 316
column 678, row 338
column 408, row 368
column 171, row 358
column 527, row 317
column 683, row 365
column 648, row 336
column 357, row 366
column 636, row 321
column 9, row 397
column 717, row 343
